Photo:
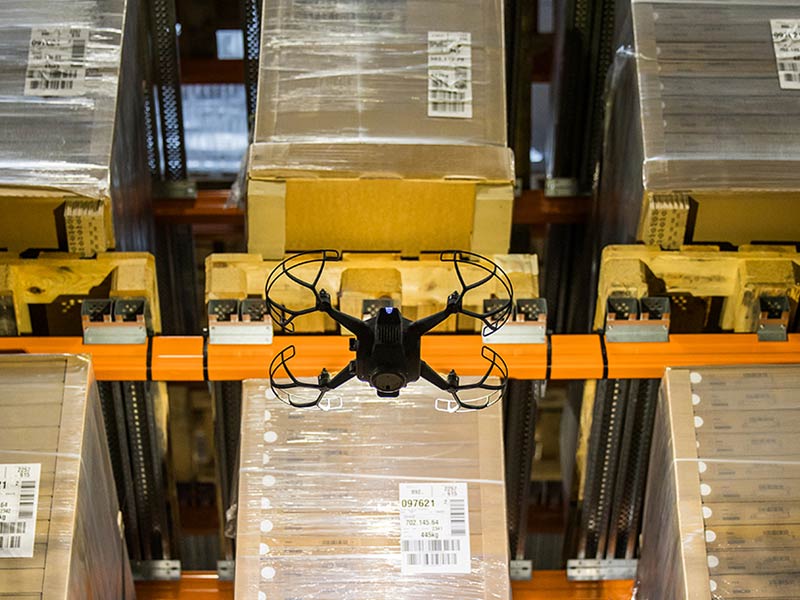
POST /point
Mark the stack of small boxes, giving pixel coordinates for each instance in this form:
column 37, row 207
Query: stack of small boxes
column 381, row 498
column 722, row 515
column 60, row 530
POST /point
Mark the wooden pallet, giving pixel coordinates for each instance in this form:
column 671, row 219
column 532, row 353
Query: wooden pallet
column 46, row 292
column 709, row 289
column 419, row 287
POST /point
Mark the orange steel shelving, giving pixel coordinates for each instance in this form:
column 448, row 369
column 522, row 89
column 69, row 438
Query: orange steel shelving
column 545, row 585
column 569, row 356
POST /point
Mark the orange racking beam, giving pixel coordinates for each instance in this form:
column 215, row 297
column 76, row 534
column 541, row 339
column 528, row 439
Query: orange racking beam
column 545, row 585
column 571, row 356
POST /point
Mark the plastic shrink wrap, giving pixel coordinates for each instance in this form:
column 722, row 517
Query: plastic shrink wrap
column 60, row 534
column 343, row 504
column 722, row 512
column 71, row 107
column 346, row 84
column 702, row 99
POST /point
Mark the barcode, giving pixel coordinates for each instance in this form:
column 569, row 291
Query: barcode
column 13, row 527
column 52, row 85
column 431, row 545
column 789, row 66
column 27, row 498
column 78, row 49
column 10, row 542
column 458, row 517
column 49, row 74
column 428, row 559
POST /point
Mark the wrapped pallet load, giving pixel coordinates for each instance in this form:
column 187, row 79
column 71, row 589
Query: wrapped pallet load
column 701, row 137
column 73, row 172
column 60, row 532
column 722, row 514
column 381, row 498
column 383, row 120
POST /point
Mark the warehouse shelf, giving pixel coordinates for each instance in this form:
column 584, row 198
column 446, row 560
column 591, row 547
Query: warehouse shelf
column 552, row 585
column 175, row 358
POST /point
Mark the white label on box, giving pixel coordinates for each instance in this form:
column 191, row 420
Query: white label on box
column 434, row 528
column 450, row 74
column 57, row 62
column 19, row 497
column 786, row 41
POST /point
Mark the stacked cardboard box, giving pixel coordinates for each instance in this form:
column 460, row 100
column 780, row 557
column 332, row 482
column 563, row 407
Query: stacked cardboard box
column 343, row 504
column 60, row 532
column 382, row 120
column 722, row 515
column 72, row 149
column 701, row 137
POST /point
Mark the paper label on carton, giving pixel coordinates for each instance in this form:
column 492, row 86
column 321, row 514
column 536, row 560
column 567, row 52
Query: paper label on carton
column 786, row 41
column 434, row 528
column 56, row 62
column 19, row 497
column 450, row 74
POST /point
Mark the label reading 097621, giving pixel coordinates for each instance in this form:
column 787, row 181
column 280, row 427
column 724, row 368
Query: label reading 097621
column 19, row 498
column 434, row 528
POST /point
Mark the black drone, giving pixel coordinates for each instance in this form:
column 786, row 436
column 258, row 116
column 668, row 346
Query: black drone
column 387, row 345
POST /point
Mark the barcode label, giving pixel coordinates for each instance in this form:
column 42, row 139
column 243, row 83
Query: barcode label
column 786, row 42
column 11, row 542
column 450, row 74
column 434, row 528
column 19, row 497
column 56, row 62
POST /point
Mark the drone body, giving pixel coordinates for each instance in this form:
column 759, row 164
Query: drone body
column 388, row 345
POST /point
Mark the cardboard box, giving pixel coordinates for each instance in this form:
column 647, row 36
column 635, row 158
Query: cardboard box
column 325, row 487
column 76, row 549
column 409, row 216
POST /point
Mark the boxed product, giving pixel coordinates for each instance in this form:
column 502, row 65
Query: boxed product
column 60, row 530
column 721, row 520
column 712, row 87
column 384, row 120
column 72, row 153
column 383, row 497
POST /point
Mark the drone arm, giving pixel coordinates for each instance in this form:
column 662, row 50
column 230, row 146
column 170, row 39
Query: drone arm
column 342, row 376
column 425, row 324
column 354, row 325
column 432, row 377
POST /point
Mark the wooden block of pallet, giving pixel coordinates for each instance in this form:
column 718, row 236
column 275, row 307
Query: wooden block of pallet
column 419, row 287
column 378, row 215
column 77, row 541
column 701, row 280
column 63, row 280
column 670, row 219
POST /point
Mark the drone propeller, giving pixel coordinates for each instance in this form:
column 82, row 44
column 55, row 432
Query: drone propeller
column 305, row 393
column 294, row 268
column 477, row 394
